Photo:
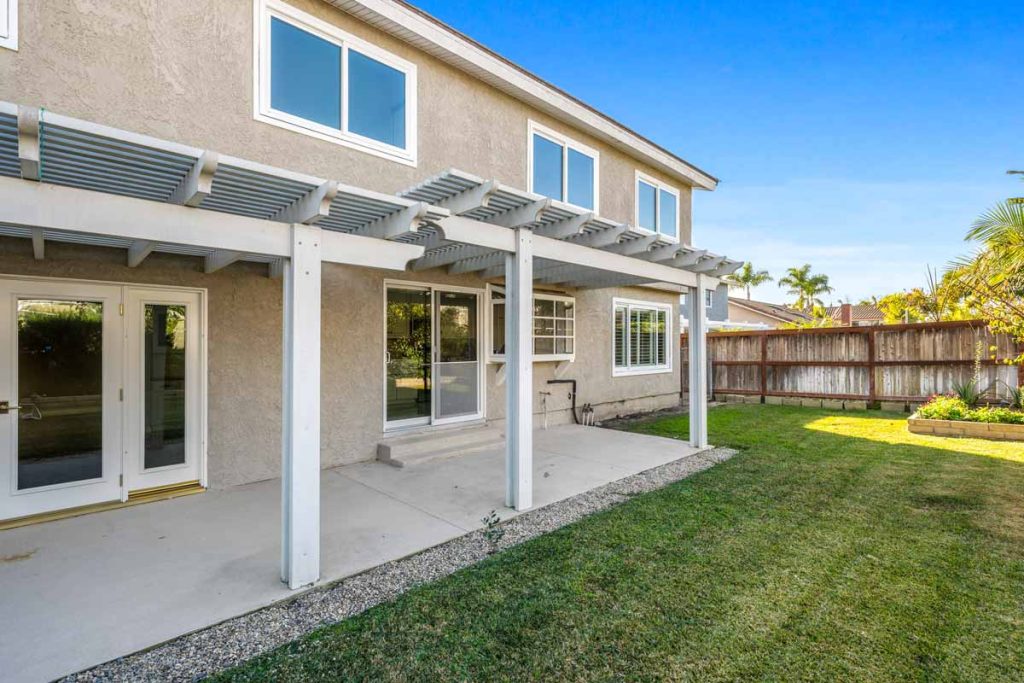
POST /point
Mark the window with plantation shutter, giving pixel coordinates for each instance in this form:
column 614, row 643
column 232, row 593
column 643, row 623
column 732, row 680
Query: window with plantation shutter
column 641, row 337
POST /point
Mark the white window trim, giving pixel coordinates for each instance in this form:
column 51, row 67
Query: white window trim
column 263, row 10
column 658, row 187
column 709, row 298
column 9, row 39
column 647, row 369
column 567, row 143
column 537, row 358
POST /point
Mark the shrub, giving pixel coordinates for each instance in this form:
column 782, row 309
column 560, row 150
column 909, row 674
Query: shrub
column 945, row 408
column 997, row 415
column 970, row 392
column 955, row 408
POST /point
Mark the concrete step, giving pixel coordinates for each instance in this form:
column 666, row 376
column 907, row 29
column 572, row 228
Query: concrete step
column 421, row 447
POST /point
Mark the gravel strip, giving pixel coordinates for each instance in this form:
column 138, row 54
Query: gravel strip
column 229, row 643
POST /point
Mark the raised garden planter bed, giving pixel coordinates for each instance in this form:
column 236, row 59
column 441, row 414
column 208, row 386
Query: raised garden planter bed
column 964, row 429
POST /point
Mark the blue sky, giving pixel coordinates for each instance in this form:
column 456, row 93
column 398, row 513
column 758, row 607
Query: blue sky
column 862, row 138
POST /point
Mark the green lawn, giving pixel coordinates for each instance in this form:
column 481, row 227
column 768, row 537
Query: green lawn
column 835, row 546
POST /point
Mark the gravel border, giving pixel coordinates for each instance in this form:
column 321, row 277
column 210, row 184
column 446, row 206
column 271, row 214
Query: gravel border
column 202, row 653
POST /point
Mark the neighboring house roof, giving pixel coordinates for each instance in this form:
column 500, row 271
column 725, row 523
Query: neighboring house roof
column 416, row 27
column 779, row 312
column 858, row 312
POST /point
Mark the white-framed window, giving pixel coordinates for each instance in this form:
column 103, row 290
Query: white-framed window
column 313, row 78
column 657, row 207
column 709, row 298
column 641, row 337
column 554, row 326
column 9, row 24
column 561, row 168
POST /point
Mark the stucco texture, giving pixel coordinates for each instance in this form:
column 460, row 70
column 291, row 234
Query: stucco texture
column 244, row 353
column 184, row 71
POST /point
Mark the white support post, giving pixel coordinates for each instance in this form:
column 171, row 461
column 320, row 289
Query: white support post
column 519, row 372
column 300, row 452
column 698, row 364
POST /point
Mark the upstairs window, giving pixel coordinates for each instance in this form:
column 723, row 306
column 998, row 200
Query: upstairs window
column 641, row 334
column 562, row 169
column 709, row 298
column 9, row 24
column 657, row 207
column 315, row 79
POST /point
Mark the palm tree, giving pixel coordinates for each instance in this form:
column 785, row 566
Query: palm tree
column 805, row 286
column 746, row 277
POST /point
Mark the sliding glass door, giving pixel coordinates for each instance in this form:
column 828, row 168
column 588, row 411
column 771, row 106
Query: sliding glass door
column 407, row 356
column 431, row 356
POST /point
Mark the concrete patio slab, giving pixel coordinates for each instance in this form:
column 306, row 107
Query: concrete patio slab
column 80, row 591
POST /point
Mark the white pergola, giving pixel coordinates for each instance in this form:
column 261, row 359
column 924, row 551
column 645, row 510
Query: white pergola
column 64, row 179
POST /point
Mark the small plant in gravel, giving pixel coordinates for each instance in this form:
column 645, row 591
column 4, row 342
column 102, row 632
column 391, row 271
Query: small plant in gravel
column 493, row 531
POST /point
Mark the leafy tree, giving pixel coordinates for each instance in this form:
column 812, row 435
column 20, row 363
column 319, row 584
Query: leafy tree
column 746, row 278
column 806, row 287
column 991, row 281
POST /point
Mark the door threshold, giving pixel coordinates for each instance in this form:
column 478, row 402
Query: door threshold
column 136, row 497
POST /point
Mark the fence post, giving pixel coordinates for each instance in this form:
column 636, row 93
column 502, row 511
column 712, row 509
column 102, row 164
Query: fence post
column 872, row 389
column 764, row 368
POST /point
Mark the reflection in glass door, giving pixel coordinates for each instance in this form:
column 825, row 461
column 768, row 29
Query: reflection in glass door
column 407, row 356
column 163, row 394
column 457, row 367
column 60, row 416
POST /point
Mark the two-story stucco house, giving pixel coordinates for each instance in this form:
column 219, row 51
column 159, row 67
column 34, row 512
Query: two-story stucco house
column 248, row 239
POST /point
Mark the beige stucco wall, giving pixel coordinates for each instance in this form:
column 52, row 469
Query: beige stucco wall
column 738, row 314
column 244, row 353
column 184, row 71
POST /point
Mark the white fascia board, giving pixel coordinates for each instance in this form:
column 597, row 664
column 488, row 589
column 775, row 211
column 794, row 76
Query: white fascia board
column 429, row 35
column 55, row 207
column 477, row 233
column 566, row 252
column 356, row 250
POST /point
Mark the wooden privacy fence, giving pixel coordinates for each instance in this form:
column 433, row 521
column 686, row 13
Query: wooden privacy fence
column 903, row 363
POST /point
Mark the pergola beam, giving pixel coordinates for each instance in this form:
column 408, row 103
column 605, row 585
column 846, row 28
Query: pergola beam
column 708, row 265
column 396, row 224
column 38, row 244
column 468, row 200
column 604, row 238
column 564, row 228
column 69, row 209
column 222, row 258
column 311, row 207
column 198, row 182
column 526, row 214
column 633, row 247
column 28, row 142
column 138, row 252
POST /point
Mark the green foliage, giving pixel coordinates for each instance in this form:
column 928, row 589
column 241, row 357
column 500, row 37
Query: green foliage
column 945, row 408
column 1016, row 396
column 991, row 280
column 969, row 392
column 806, row 287
column 955, row 408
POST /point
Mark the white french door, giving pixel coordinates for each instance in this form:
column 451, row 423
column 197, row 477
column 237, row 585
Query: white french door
column 100, row 393
column 60, row 375
column 433, row 373
column 163, row 410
